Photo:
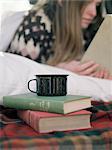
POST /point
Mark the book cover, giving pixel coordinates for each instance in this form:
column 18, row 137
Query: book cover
column 44, row 122
column 56, row 104
column 100, row 49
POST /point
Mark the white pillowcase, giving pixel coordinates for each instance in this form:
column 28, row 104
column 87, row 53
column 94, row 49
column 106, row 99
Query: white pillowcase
column 10, row 17
column 16, row 71
column 9, row 23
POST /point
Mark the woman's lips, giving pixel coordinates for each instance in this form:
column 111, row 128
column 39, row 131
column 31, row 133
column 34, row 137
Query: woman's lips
column 87, row 20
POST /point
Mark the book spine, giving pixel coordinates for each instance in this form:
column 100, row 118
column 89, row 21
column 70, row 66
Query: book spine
column 29, row 118
column 41, row 105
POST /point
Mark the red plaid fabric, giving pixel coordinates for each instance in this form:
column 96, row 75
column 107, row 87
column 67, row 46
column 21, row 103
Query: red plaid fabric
column 15, row 134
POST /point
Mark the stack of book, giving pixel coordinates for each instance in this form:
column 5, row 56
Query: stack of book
column 51, row 113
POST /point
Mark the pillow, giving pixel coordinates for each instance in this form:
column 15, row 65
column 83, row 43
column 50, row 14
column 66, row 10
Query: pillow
column 12, row 5
column 9, row 24
column 16, row 71
column 11, row 16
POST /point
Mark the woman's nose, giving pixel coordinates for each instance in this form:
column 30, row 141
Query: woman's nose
column 93, row 11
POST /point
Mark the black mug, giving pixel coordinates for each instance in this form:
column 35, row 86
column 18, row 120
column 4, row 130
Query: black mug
column 50, row 85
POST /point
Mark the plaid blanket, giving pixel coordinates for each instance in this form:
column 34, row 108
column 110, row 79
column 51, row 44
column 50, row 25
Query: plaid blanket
column 15, row 134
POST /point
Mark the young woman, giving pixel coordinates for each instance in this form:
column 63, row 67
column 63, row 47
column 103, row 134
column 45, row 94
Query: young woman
column 52, row 33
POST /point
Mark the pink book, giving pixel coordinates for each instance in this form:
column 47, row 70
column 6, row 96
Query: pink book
column 45, row 122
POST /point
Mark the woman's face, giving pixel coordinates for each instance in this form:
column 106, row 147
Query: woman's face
column 89, row 12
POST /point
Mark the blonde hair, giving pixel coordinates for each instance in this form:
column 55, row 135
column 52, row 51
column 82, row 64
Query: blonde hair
column 67, row 30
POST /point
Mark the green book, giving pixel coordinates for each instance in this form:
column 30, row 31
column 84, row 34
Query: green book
column 56, row 104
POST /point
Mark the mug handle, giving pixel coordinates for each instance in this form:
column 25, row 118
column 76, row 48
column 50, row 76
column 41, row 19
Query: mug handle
column 29, row 85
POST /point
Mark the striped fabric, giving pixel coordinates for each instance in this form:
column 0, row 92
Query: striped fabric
column 15, row 134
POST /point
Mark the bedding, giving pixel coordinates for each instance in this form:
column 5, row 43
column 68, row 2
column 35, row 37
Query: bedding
column 10, row 21
column 10, row 17
column 16, row 71
column 15, row 134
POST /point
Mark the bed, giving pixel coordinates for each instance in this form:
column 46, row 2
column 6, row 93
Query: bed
column 15, row 134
